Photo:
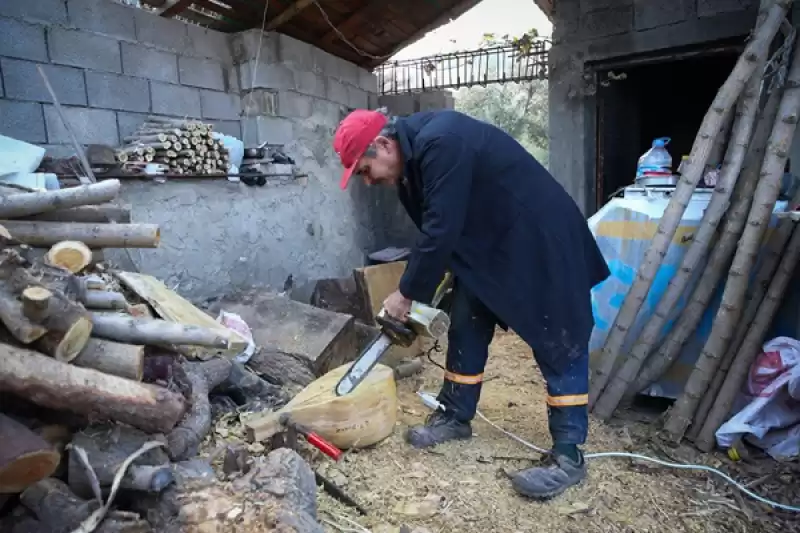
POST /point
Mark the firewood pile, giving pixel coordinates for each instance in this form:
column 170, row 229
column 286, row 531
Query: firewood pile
column 104, row 405
column 752, row 124
column 180, row 146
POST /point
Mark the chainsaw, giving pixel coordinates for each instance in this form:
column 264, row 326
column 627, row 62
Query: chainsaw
column 423, row 321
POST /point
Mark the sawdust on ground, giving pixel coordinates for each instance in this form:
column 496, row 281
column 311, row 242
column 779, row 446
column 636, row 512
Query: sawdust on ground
column 462, row 487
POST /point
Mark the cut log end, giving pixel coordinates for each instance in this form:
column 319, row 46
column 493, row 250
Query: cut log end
column 68, row 345
column 34, row 303
column 27, row 469
column 71, row 255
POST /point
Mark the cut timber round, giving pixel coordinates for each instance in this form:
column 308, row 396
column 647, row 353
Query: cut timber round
column 362, row 418
column 25, row 457
column 71, row 255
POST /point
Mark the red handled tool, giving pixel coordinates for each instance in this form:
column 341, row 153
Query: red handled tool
column 312, row 438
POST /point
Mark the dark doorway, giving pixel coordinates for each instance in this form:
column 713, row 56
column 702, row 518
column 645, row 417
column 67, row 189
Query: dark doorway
column 642, row 99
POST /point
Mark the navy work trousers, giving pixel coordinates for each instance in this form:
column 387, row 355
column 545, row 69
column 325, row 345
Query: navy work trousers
column 566, row 371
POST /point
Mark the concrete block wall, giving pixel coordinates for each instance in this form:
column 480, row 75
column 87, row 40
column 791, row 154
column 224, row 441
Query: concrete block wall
column 110, row 66
column 586, row 31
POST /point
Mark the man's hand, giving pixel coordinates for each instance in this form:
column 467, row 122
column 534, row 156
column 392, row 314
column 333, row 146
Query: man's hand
column 397, row 305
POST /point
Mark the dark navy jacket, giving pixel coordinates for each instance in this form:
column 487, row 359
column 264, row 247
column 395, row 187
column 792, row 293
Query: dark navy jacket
column 495, row 217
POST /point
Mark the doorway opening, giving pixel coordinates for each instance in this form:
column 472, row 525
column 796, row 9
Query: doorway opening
column 641, row 99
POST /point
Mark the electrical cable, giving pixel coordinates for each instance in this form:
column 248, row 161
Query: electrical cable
column 431, row 402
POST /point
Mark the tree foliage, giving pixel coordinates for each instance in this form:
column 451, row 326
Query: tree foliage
column 520, row 109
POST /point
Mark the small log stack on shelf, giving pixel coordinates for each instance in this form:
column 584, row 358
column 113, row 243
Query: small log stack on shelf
column 181, row 146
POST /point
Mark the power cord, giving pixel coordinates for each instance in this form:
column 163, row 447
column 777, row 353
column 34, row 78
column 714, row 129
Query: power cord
column 431, row 402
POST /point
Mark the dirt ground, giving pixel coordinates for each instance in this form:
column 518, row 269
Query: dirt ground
column 462, row 487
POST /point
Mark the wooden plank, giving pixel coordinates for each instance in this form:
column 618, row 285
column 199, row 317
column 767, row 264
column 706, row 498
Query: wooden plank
column 175, row 308
column 374, row 283
column 177, row 8
column 288, row 14
column 322, row 339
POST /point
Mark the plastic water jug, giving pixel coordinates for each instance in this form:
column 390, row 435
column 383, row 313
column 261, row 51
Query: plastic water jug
column 656, row 161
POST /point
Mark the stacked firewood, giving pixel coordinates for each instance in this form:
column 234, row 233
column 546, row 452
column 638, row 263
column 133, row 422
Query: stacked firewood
column 751, row 121
column 93, row 387
column 180, row 146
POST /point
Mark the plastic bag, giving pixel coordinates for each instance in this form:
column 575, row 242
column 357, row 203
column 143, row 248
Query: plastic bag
column 237, row 324
column 770, row 418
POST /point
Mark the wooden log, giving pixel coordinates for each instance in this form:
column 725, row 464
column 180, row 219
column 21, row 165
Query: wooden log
column 118, row 359
column 25, row 457
column 40, row 234
column 71, row 255
column 107, row 446
column 155, row 137
column 104, row 300
column 34, row 303
column 32, row 203
column 362, row 418
column 56, row 385
column 67, row 323
column 124, row 328
column 85, row 213
column 183, row 441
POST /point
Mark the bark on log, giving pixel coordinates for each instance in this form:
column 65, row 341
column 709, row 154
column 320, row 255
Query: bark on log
column 33, row 203
column 282, row 368
column 766, row 271
column 756, row 49
column 245, row 387
column 751, row 345
column 702, row 242
column 124, row 328
column 68, row 325
column 94, row 299
column 25, row 457
column 85, row 213
column 70, row 255
column 57, row 385
column 40, row 234
column 184, row 441
column 730, row 309
column 123, row 360
column 720, row 257
column 107, row 446
column 60, row 511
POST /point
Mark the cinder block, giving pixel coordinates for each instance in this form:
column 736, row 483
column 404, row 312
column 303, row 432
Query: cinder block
column 22, row 81
column 295, row 105
column 231, row 79
column 122, row 93
column 311, row 84
column 605, row 22
column 373, row 101
column 245, row 46
column 327, row 64
column 328, row 112
column 347, row 72
column 337, row 92
column 59, row 150
column 648, row 15
column 260, row 102
column 295, row 54
column 80, row 49
column 202, row 73
column 357, row 98
column 709, row 8
column 23, row 121
column 166, row 33
column 22, row 40
column 210, row 44
column 566, row 16
column 144, row 62
column 228, row 127
column 102, row 16
column 175, row 100
column 53, row 11
column 277, row 76
column 270, row 130
column 367, row 80
column 91, row 126
column 127, row 123
column 434, row 100
column 587, row 6
column 399, row 104
column 220, row 105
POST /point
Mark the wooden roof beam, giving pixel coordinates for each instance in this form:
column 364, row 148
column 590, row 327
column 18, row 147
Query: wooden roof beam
column 288, row 14
column 352, row 21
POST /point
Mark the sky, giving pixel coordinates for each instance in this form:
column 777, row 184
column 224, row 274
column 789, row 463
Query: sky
column 500, row 17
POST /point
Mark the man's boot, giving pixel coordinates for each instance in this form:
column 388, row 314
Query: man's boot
column 438, row 428
column 558, row 473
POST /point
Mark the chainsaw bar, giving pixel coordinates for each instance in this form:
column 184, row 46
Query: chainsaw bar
column 362, row 366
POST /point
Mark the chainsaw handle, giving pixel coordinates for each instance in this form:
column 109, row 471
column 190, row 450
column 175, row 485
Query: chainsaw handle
column 400, row 332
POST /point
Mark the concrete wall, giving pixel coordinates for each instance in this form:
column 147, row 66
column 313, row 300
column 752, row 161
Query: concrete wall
column 113, row 65
column 588, row 31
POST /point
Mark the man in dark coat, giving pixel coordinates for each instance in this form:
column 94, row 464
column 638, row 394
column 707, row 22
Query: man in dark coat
column 522, row 256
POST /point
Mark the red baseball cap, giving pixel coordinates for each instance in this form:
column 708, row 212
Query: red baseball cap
column 353, row 137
